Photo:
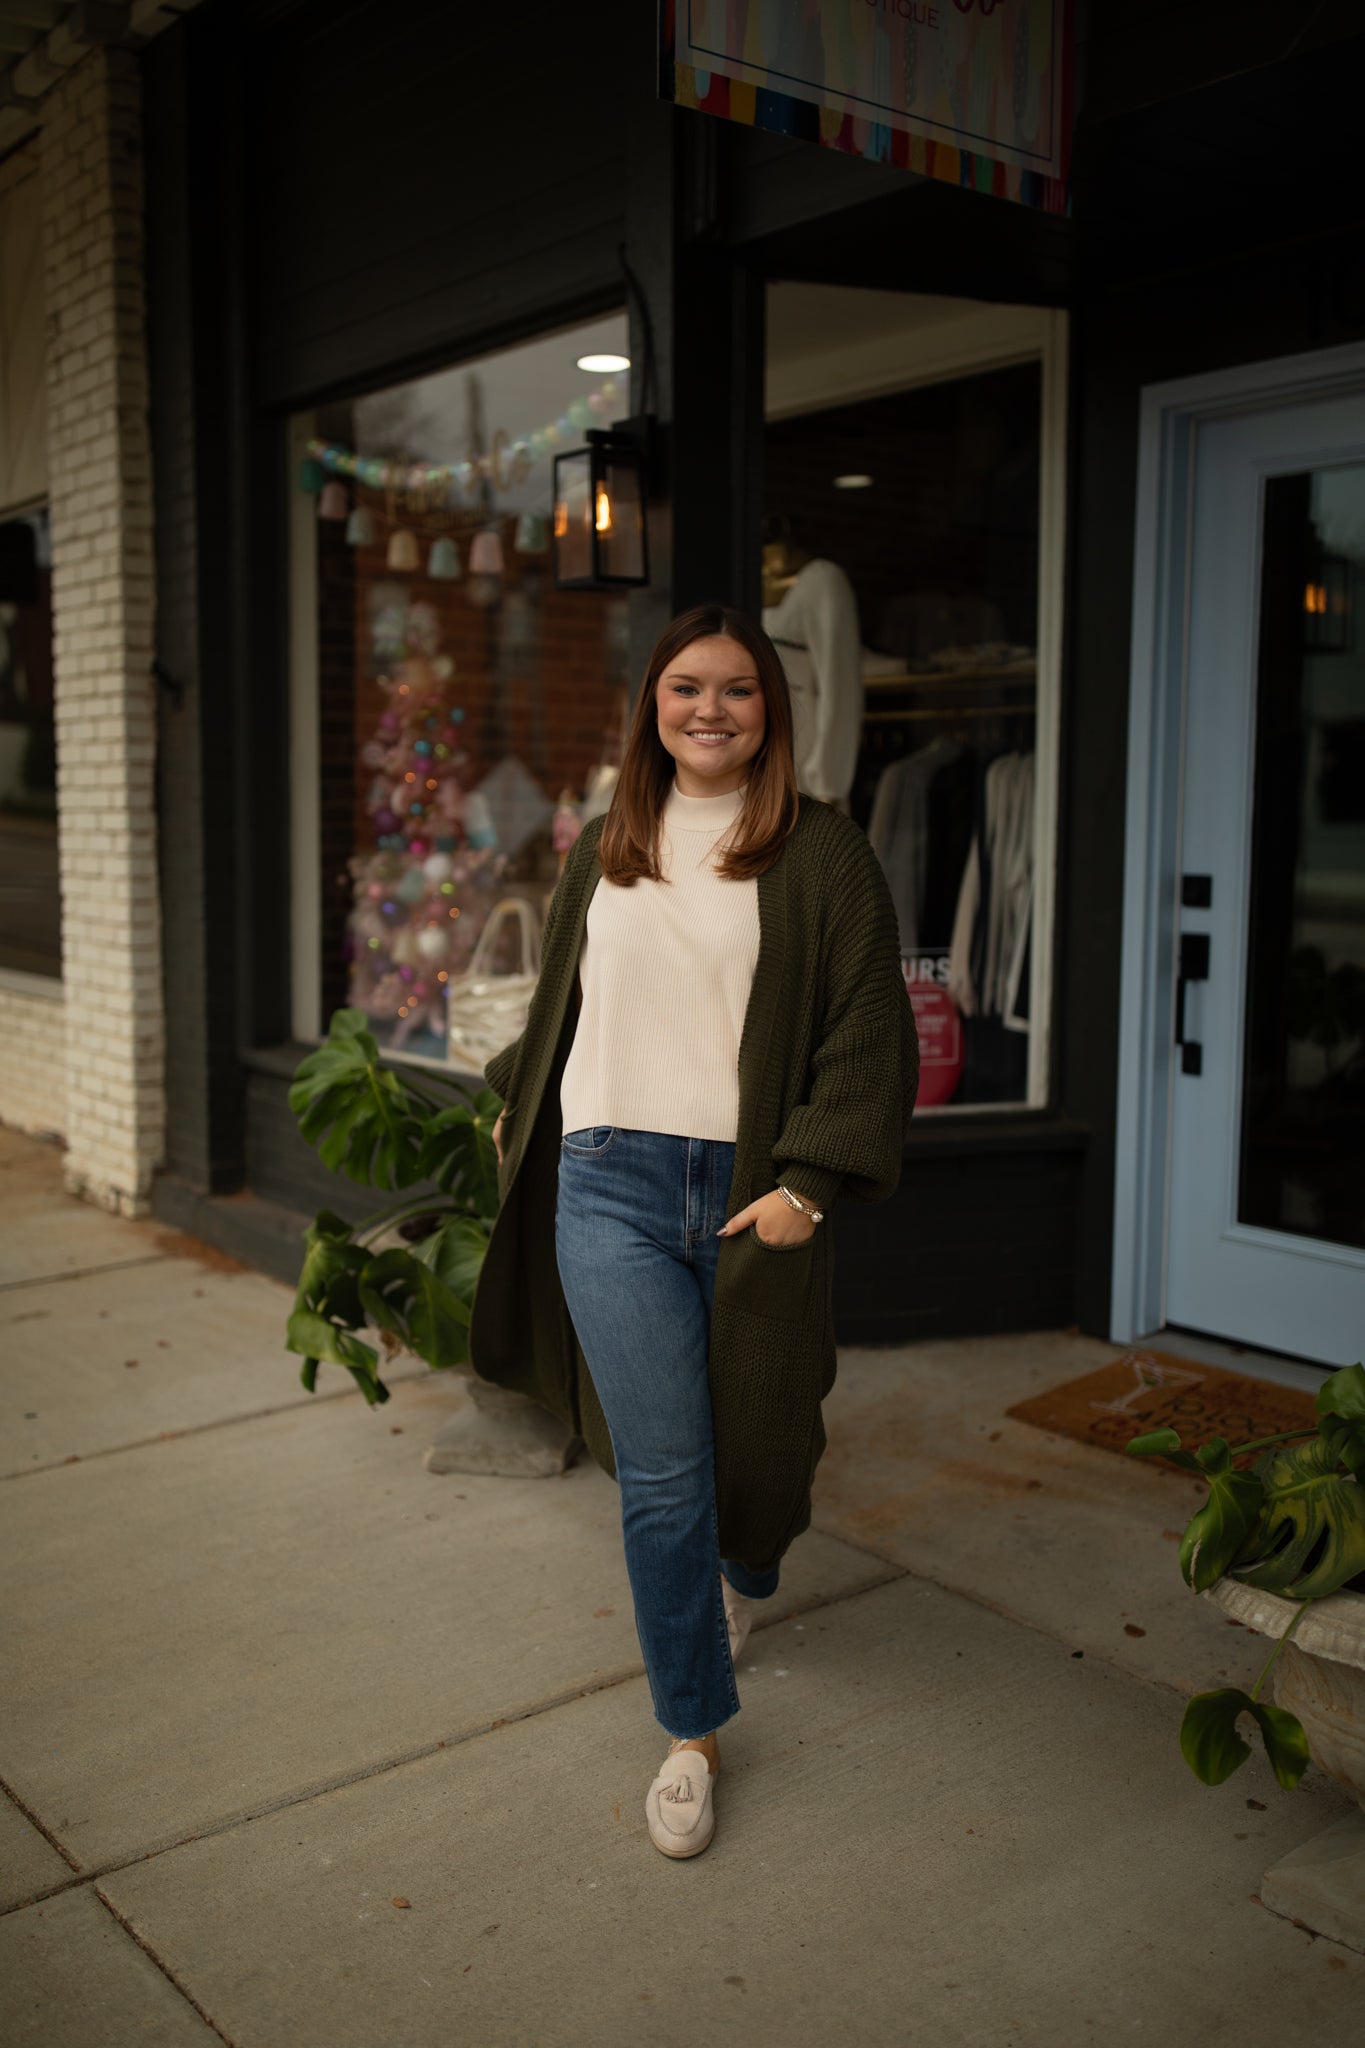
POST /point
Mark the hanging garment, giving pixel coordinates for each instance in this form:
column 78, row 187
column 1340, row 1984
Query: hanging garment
column 994, row 908
column 900, row 835
column 815, row 625
column 1009, row 827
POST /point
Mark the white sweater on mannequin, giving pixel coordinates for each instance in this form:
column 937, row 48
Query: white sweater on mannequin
column 817, row 619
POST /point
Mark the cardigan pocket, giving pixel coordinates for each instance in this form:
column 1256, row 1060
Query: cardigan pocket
column 798, row 1244
column 777, row 1282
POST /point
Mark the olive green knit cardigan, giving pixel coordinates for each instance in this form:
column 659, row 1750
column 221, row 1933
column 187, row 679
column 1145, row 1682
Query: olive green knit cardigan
column 828, row 1070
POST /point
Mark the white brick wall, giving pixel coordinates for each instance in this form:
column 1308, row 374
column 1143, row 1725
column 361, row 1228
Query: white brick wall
column 99, row 463
column 32, row 1075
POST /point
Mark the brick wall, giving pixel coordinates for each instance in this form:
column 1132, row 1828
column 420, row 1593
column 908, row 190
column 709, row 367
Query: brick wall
column 100, row 481
column 32, row 1075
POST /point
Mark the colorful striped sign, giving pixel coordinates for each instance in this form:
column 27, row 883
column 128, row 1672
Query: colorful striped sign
column 976, row 92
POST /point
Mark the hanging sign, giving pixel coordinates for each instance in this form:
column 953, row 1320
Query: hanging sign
column 976, row 92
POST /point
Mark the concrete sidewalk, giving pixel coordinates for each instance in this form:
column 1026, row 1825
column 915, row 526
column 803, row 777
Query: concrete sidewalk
column 307, row 1748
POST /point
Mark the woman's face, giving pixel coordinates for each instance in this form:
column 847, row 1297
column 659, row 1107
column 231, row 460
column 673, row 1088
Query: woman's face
column 711, row 715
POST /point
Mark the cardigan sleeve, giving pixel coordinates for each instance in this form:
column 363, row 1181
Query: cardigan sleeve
column 849, row 1134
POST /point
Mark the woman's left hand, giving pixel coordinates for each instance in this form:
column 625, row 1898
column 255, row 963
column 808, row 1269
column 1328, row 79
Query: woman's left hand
column 777, row 1223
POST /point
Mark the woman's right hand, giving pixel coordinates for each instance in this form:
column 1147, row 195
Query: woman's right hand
column 497, row 1137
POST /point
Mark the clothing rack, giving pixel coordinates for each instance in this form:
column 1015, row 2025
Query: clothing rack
column 936, row 678
column 956, row 711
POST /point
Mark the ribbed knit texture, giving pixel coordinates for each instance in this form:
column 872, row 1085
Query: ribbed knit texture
column 828, row 1071
column 666, row 969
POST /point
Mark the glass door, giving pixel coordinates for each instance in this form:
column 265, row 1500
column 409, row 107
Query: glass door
column 1266, row 1214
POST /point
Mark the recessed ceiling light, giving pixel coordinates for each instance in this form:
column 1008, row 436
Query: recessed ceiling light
column 852, row 483
column 604, row 362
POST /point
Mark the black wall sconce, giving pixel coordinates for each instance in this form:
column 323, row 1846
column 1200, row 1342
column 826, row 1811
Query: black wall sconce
column 599, row 536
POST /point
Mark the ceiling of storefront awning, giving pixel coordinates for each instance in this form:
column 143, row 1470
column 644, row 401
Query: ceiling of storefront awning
column 40, row 40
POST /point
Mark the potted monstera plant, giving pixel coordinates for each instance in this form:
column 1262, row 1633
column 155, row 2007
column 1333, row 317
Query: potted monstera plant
column 1280, row 1546
column 428, row 1140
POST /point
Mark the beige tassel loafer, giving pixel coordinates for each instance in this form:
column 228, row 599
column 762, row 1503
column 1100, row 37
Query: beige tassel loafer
column 679, row 1806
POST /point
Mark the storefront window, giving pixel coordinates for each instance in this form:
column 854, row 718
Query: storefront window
column 469, row 717
column 902, row 581
column 30, row 892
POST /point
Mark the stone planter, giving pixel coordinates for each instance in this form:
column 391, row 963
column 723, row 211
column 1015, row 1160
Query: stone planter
column 1320, row 1677
column 502, row 1435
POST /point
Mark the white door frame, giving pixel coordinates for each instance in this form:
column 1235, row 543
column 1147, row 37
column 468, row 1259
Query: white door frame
column 1167, row 434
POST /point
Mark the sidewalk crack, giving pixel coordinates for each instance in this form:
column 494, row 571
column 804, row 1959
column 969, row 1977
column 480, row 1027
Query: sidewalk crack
column 161, row 1964
column 85, row 1272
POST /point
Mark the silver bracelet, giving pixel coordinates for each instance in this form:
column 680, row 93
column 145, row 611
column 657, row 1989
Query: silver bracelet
column 806, row 1208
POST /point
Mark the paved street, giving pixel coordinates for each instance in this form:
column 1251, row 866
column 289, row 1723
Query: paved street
column 307, row 1748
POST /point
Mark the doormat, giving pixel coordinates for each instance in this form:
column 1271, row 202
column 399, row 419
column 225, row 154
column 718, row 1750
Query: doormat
column 1156, row 1390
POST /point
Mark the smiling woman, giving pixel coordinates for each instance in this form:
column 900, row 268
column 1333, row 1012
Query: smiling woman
column 711, row 715
column 742, row 1052
column 713, row 673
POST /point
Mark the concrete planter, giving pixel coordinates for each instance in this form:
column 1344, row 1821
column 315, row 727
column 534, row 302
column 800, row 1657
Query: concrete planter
column 502, row 1435
column 1320, row 1677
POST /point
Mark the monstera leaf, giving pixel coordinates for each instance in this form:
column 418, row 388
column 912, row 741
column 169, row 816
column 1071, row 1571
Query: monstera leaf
column 409, row 1298
column 1213, row 1749
column 1218, row 1531
column 321, row 1341
column 328, row 1309
column 455, row 1253
column 1343, row 1393
column 356, row 1110
column 1309, row 1537
column 1341, row 1404
column 458, row 1152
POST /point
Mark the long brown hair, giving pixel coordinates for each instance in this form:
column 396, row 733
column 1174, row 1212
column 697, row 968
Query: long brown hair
column 629, row 845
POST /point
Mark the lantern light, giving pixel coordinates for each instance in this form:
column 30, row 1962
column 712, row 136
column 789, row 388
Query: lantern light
column 332, row 502
column 599, row 517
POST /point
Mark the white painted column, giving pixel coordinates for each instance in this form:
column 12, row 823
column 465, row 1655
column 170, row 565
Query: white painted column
column 99, row 461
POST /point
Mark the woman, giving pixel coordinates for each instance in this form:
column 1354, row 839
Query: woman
column 739, row 1051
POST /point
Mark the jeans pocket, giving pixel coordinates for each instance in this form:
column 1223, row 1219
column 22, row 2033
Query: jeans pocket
column 590, row 1142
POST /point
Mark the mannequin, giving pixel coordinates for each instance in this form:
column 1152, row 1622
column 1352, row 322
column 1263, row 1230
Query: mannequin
column 811, row 612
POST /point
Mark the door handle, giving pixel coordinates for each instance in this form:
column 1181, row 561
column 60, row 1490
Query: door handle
column 1194, row 966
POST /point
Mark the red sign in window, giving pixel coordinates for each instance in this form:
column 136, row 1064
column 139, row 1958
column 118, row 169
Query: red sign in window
column 939, row 1024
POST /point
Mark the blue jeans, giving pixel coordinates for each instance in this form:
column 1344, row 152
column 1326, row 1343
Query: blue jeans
column 636, row 1218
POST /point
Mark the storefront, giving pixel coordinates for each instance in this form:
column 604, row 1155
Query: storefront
column 898, row 416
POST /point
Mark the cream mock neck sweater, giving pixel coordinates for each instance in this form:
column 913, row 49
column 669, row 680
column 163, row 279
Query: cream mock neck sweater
column 666, row 968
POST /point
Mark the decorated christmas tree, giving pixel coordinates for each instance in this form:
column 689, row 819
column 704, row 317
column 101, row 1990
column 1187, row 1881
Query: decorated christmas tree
column 435, row 854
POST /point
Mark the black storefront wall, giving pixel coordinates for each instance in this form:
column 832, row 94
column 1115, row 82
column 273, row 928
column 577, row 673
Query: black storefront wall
column 341, row 232
column 369, row 240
